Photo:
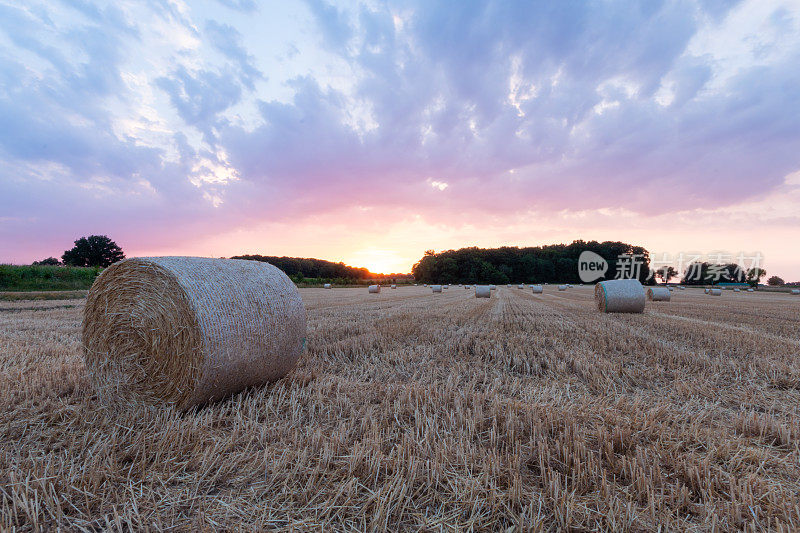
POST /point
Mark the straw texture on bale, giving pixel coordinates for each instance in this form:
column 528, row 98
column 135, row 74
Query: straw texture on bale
column 715, row 292
column 327, row 286
column 436, row 288
column 620, row 296
column 374, row 289
column 483, row 291
column 658, row 294
column 562, row 287
column 189, row 330
column 537, row 289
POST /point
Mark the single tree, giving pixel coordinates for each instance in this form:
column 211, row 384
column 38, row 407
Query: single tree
column 754, row 275
column 94, row 250
column 51, row 261
column 666, row 273
column 775, row 281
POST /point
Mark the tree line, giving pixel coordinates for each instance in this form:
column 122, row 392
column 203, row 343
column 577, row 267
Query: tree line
column 302, row 267
column 555, row 263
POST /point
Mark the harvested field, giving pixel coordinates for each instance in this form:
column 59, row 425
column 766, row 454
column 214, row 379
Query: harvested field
column 418, row 411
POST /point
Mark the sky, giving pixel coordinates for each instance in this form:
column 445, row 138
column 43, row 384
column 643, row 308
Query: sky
column 370, row 132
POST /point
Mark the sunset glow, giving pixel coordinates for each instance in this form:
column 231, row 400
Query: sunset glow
column 370, row 132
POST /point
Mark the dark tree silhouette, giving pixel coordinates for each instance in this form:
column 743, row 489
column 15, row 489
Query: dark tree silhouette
column 666, row 273
column 50, row 261
column 94, row 250
column 775, row 281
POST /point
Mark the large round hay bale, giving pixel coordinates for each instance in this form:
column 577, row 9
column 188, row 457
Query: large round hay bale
column 537, row 289
column 189, row 330
column 436, row 288
column 483, row 291
column 374, row 289
column 620, row 296
column 658, row 294
column 562, row 287
column 715, row 292
column 327, row 286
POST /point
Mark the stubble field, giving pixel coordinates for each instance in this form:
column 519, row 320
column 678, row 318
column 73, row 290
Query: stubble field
column 418, row 411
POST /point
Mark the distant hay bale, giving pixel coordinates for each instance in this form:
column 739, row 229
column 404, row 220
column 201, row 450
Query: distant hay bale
column 466, row 286
column 521, row 286
column 706, row 291
column 562, row 287
column 620, row 296
column 493, row 287
column 185, row 331
column 436, row 288
column 326, row 286
column 795, row 291
column 736, row 290
column 483, row 291
column 445, row 286
column 670, row 289
column 537, row 289
column 715, row 292
column 394, row 286
column 750, row 290
column 682, row 288
column 374, row 289
column 658, row 294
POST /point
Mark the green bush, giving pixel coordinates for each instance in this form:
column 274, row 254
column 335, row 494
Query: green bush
column 46, row 278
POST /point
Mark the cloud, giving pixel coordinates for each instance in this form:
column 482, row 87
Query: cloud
column 655, row 108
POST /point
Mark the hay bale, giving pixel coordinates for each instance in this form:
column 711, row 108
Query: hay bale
column 394, row 286
column 562, row 287
column 374, row 289
column 445, row 286
column 715, row 292
column 436, row 288
column 493, row 287
column 521, row 286
column 185, row 331
column 736, row 290
column 706, row 291
column 483, row 291
column 750, row 290
column 620, row 296
column 537, row 289
column 326, row 286
column 658, row 294
column 795, row 291
column 466, row 286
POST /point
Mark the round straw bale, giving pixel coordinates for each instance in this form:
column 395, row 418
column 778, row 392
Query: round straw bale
column 795, row 291
column 189, row 330
column 327, row 286
column 562, row 287
column 374, row 289
column 750, row 290
column 394, row 286
column 436, row 288
column 483, row 291
column 736, row 290
column 537, row 289
column 521, row 286
column 658, row 294
column 466, row 286
column 706, row 291
column 620, row 296
column 715, row 292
